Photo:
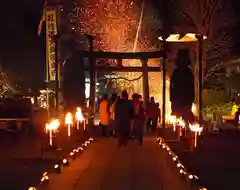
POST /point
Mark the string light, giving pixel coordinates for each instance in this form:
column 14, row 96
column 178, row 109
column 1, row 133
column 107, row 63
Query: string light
column 64, row 162
column 72, row 154
column 45, row 178
column 182, row 169
column 80, row 148
column 57, row 168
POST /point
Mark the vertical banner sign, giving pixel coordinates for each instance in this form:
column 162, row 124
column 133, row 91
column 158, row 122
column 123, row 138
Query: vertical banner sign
column 51, row 31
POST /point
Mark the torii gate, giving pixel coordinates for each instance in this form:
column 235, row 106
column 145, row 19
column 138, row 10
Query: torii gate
column 93, row 68
column 143, row 56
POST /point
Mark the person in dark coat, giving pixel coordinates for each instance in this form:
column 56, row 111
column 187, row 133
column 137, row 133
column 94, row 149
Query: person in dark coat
column 112, row 126
column 139, row 123
column 182, row 87
column 151, row 116
column 124, row 113
column 237, row 118
column 135, row 101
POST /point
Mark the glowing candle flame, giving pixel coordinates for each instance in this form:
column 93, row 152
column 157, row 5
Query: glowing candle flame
column 195, row 128
column 68, row 119
column 79, row 115
column 173, row 120
column 52, row 126
column 68, row 122
column 197, row 131
column 176, row 121
column 181, row 122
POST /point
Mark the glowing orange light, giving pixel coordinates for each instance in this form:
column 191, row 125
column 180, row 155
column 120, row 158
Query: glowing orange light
column 68, row 122
column 197, row 129
column 52, row 126
column 79, row 117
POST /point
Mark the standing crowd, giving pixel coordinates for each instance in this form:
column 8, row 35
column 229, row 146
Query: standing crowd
column 125, row 118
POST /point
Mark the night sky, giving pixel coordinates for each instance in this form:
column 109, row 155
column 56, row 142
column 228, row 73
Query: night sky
column 236, row 36
column 22, row 51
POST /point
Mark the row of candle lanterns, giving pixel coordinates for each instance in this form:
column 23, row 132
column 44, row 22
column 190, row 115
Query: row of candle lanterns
column 54, row 124
column 79, row 119
column 175, row 159
column 64, row 162
column 194, row 128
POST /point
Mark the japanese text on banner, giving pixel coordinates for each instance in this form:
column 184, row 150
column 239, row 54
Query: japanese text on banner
column 51, row 29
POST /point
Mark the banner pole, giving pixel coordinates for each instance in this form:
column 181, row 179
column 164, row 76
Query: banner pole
column 47, row 65
column 58, row 58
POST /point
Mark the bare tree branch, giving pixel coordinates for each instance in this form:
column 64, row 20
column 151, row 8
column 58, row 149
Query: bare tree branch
column 213, row 18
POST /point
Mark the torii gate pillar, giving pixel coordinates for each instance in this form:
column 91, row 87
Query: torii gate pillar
column 145, row 82
column 92, row 83
column 164, row 60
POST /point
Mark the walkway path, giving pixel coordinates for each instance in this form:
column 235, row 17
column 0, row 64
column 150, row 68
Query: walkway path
column 104, row 166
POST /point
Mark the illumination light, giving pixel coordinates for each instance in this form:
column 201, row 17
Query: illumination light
column 32, row 188
column 190, row 176
column 189, row 37
column 79, row 117
column 68, row 122
column 65, row 162
column 197, row 129
column 87, row 90
column 72, row 155
column 57, row 168
column 45, row 177
column 80, row 148
column 52, row 127
column 179, row 165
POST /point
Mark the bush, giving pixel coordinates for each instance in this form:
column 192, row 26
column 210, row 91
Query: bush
column 218, row 108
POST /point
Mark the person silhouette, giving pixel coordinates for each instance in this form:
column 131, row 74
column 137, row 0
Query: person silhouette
column 124, row 113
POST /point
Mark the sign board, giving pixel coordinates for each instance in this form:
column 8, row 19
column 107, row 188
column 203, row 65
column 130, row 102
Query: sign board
column 51, row 32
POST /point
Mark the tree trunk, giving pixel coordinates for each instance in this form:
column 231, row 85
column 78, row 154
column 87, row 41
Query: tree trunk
column 195, row 71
